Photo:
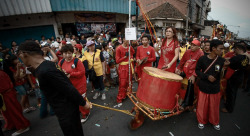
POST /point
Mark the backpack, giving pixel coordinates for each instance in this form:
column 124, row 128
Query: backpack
column 75, row 62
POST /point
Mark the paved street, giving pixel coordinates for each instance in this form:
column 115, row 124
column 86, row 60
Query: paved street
column 111, row 123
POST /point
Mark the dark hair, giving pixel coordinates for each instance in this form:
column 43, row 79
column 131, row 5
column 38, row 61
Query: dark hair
column 145, row 36
column 6, row 69
column 207, row 41
column 248, row 47
column 66, row 48
column 104, row 44
column 190, row 40
column 240, row 46
column 215, row 43
column 111, row 63
column 31, row 47
column 174, row 37
column 47, row 51
column 77, row 42
column 42, row 36
column 12, row 43
column 10, row 60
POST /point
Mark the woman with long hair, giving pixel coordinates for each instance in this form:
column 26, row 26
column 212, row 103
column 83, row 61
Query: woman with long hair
column 169, row 50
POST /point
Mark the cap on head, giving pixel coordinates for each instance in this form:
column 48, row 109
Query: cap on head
column 196, row 42
column 226, row 45
column 79, row 47
column 63, row 42
column 114, row 40
column 89, row 43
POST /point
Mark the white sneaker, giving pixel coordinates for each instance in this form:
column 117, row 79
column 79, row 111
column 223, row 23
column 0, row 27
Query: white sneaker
column 97, row 94
column 200, row 126
column 103, row 96
column 85, row 119
column 119, row 104
column 19, row 132
column 217, row 127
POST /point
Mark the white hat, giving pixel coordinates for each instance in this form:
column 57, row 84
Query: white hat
column 215, row 38
column 226, row 45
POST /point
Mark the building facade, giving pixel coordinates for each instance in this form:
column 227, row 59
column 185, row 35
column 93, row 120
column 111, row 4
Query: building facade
column 195, row 11
column 30, row 19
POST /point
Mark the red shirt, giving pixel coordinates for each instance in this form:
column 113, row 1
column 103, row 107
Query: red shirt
column 189, row 61
column 121, row 52
column 77, row 74
column 229, row 54
column 146, row 52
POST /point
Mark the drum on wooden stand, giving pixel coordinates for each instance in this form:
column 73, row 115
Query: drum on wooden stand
column 156, row 96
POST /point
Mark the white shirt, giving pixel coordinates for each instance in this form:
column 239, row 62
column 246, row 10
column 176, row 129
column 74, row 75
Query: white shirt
column 55, row 44
column 156, row 54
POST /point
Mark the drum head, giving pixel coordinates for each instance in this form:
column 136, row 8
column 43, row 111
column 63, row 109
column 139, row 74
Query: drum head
column 155, row 72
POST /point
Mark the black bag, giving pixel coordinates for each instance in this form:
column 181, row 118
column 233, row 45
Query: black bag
column 92, row 74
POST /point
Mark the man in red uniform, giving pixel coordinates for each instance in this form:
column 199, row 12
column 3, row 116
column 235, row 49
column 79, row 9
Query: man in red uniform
column 187, row 65
column 122, row 58
column 145, row 56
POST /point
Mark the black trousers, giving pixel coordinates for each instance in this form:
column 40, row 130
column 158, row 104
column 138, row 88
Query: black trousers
column 69, row 120
column 98, row 83
column 189, row 96
column 231, row 93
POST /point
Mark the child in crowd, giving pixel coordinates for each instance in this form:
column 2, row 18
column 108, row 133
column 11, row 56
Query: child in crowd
column 113, row 74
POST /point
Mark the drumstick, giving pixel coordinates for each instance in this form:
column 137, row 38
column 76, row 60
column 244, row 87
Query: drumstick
column 164, row 67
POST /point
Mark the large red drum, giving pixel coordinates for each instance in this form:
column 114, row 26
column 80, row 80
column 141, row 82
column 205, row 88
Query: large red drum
column 158, row 88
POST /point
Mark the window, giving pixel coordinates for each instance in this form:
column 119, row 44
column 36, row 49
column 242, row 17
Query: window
column 198, row 13
column 168, row 24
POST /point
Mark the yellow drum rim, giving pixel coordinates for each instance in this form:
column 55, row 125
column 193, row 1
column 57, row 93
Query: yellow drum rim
column 161, row 77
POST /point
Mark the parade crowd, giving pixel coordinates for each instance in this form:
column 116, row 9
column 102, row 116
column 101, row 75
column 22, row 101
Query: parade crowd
column 58, row 70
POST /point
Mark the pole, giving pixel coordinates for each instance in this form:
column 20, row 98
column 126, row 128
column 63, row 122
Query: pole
column 186, row 34
column 129, row 63
column 136, row 20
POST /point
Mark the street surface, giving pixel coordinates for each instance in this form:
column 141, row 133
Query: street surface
column 104, row 122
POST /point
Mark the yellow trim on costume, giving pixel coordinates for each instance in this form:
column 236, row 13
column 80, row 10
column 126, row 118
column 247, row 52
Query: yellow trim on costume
column 3, row 108
column 126, row 63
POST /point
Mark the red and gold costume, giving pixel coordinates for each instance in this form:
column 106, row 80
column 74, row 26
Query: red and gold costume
column 167, row 54
column 188, row 62
column 188, row 65
column 123, row 70
column 13, row 114
column 143, row 52
column 77, row 78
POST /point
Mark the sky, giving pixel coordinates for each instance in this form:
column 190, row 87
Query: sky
column 235, row 14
